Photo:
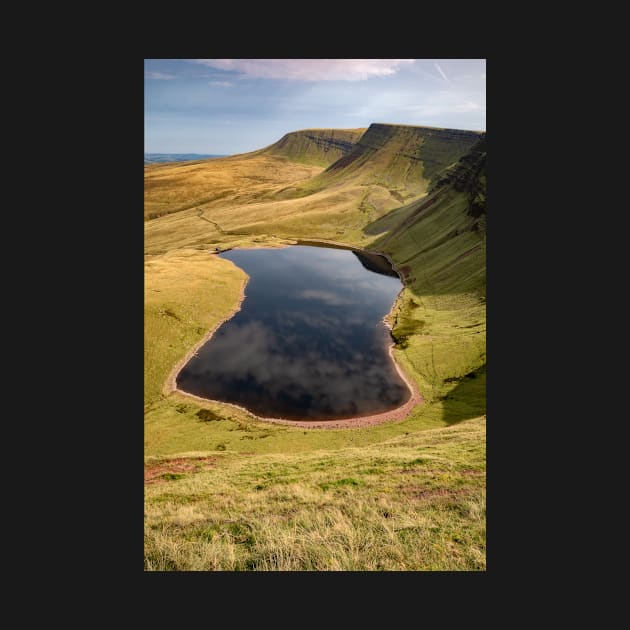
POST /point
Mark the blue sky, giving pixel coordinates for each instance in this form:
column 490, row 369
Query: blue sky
column 228, row 106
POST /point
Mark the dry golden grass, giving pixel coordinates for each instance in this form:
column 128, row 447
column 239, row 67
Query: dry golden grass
column 415, row 502
column 217, row 182
column 180, row 308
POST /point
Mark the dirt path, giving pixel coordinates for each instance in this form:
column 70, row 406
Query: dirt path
column 214, row 223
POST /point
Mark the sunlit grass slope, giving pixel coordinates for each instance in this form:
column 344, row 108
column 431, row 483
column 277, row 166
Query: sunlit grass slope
column 320, row 147
column 278, row 191
column 241, row 179
column 176, row 186
column 438, row 243
column 414, row 502
column 179, row 309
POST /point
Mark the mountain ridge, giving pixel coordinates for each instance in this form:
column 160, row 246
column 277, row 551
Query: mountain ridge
column 315, row 146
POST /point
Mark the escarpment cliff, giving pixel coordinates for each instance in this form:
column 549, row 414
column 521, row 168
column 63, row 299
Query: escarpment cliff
column 468, row 175
column 320, row 147
column 402, row 156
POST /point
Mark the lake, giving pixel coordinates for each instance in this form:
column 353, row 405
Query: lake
column 309, row 342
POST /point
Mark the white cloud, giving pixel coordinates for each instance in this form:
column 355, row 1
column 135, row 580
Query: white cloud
column 221, row 83
column 437, row 65
column 467, row 106
column 449, row 107
column 162, row 76
column 309, row 69
column 328, row 297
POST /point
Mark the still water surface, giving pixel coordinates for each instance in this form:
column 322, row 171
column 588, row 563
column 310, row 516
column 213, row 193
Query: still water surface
column 309, row 342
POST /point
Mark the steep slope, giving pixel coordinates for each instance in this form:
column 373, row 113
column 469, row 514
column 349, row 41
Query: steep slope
column 400, row 158
column 469, row 175
column 438, row 243
column 320, row 147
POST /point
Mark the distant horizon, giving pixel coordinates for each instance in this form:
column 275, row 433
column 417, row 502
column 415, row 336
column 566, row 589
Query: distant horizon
column 310, row 129
column 155, row 157
column 183, row 153
column 232, row 106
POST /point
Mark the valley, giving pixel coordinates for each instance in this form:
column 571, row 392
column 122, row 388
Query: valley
column 228, row 491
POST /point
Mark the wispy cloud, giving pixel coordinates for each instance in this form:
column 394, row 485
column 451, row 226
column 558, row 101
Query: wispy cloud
column 437, row 65
column 432, row 107
column 221, row 83
column 467, row 106
column 328, row 297
column 162, row 76
column 309, row 69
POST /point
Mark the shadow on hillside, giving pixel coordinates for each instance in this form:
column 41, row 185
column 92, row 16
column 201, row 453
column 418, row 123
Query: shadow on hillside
column 467, row 399
column 437, row 241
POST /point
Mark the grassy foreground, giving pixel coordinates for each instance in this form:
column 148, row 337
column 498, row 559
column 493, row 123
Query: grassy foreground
column 415, row 502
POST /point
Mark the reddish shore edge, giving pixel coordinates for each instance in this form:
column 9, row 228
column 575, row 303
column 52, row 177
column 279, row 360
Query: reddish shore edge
column 355, row 422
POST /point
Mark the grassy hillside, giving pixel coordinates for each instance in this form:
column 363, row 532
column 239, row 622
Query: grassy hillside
column 267, row 496
column 438, row 243
column 202, row 184
column 400, row 158
column 264, row 194
column 178, row 313
column 414, row 502
column 320, row 147
column 241, row 179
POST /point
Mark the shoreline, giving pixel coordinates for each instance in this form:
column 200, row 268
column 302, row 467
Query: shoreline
column 170, row 384
column 355, row 422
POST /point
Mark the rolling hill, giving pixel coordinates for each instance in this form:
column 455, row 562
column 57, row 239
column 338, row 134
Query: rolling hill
column 268, row 192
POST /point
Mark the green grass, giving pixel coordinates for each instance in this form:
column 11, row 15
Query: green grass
column 201, row 290
column 414, row 502
column 320, row 147
column 179, row 310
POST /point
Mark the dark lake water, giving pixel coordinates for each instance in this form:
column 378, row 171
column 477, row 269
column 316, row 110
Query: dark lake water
column 309, row 341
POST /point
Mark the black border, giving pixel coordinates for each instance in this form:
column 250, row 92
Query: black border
column 113, row 253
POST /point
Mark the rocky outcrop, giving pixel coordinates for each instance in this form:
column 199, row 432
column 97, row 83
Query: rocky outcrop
column 469, row 176
column 379, row 134
column 375, row 263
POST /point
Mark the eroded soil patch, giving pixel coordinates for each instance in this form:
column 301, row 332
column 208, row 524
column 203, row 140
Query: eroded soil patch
column 173, row 469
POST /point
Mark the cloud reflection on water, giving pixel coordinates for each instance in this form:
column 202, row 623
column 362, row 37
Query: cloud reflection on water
column 307, row 342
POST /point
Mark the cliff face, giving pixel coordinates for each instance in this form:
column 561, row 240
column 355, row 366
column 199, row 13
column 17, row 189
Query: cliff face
column 402, row 155
column 468, row 175
column 321, row 147
column 444, row 232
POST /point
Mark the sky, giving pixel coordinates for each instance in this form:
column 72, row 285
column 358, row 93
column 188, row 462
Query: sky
column 228, row 106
